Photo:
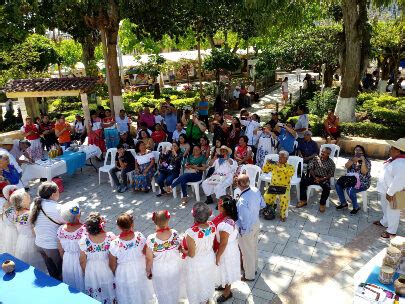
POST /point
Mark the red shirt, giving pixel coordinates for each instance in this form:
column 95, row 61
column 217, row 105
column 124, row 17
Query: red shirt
column 158, row 136
column 31, row 128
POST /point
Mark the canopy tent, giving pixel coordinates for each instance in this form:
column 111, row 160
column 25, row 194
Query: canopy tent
column 28, row 90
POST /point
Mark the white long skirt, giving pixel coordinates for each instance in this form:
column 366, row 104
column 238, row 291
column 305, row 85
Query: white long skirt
column 26, row 251
column 99, row 281
column 229, row 266
column 71, row 271
column 217, row 189
column 168, row 280
column 10, row 238
column 132, row 284
column 201, row 276
column 35, row 151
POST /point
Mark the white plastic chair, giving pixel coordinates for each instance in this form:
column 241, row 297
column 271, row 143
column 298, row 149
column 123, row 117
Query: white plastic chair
column 298, row 163
column 316, row 187
column 111, row 153
column 195, row 186
column 335, row 151
column 364, row 198
column 253, row 172
column 164, row 146
column 266, row 177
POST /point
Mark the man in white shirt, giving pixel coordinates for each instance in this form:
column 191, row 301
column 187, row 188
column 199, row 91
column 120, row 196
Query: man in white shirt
column 251, row 123
column 302, row 124
column 391, row 181
column 298, row 72
column 236, row 92
column 179, row 130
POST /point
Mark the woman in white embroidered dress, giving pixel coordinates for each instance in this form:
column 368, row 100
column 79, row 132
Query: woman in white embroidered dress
column 201, row 271
column 9, row 217
column 25, row 248
column 266, row 143
column 94, row 260
column 163, row 260
column 227, row 255
column 127, row 256
column 69, row 235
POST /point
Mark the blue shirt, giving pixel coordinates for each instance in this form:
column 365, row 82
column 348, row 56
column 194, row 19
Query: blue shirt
column 11, row 175
column 249, row 204
column 286, row 141
column 308, row 148
column 203, row 108
column 171, row 122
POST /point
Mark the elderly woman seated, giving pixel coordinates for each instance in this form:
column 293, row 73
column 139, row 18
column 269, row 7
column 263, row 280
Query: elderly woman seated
column 144, row 168
column 8, row 173
column 281, row 173
column 222, row 177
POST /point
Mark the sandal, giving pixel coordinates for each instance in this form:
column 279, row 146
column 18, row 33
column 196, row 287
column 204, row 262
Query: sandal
column 222, row 298
column 301, row 204
column 387, row 235
column 377, row 223
column 161, row 193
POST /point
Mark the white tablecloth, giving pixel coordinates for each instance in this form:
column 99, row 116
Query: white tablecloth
column 50, row 168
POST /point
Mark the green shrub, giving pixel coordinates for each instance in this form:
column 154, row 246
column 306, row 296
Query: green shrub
column 385, row 109
column 315, row 124
column 363, row 97
column 322, row 102
column 371, row 129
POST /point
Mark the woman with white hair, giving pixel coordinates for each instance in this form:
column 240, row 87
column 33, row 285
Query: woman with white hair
column 25, row 248
column 280, row 184
column 8, row 172
column 200, row 262
column 10, row 235
column 69, row 235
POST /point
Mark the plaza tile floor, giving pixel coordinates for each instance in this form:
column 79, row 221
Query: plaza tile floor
column 297, row 259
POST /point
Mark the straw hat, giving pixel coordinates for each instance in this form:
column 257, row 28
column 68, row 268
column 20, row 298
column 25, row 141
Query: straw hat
column 399, row 144
column 6, row 141
column 226, row 148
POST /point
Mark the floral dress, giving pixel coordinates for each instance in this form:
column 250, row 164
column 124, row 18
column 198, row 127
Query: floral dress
column 35, row 151
column 71, row 271
column 266, row 145
column 130, row 276
column 201, row 270
column 140, row 181
column 10, row 230
column 98, row 278
column 167, row 277
column 96, row 134
column 229, row 265
column 25, row 248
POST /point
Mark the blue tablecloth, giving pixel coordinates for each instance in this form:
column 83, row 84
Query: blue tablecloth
column 373, row 279
column 73, row 160
column 27, row 285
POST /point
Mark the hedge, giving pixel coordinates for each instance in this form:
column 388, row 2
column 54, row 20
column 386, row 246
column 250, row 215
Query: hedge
column 371, row 129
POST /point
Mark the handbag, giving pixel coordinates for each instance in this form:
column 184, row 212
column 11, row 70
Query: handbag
column 346, row 181
column 279, row 190
column 269, row 212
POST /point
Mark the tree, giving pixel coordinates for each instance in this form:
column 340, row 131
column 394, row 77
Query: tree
column 70, row 52
column 152, row 68
column 388, row 42
column 30, row 58
column 222, row 60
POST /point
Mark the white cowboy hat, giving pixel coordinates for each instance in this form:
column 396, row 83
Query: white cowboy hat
column 226, row 148
column 6, row 141
column 399, row 144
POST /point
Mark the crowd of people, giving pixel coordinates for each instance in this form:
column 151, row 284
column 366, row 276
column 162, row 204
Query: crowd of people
column 207, row 256
column 131, row 268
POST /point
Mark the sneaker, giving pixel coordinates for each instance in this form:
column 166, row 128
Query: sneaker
column 342, row 206
column 120, row 188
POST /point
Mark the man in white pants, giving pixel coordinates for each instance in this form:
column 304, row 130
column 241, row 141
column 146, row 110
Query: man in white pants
column 249, row 204
column 391, row 181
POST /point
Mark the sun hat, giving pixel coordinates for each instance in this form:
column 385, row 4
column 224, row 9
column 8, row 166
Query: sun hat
column 6, row 141
column 399, row 144
column 226, row 148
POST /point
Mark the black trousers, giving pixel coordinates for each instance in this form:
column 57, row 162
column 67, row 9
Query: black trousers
column 308, row 181
column 53, row 262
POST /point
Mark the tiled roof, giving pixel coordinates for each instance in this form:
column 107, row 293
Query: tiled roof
column 51, row 84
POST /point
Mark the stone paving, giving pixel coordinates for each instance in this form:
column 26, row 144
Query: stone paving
column 287, row 251
column 311, row 258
